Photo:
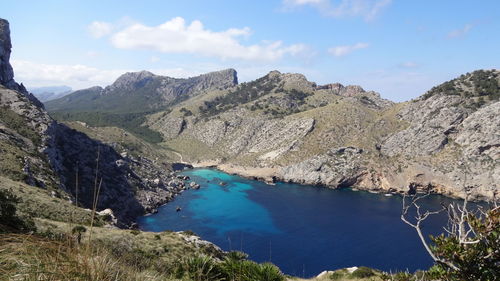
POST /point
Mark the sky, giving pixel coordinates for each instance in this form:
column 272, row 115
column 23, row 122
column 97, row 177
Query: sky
column 399, row 48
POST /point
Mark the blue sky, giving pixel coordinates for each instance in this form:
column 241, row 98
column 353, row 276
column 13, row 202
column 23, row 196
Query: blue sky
column 397, row 48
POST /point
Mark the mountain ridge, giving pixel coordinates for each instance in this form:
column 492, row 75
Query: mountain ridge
column 143, row 91
column 343, row 136
column 47, row 93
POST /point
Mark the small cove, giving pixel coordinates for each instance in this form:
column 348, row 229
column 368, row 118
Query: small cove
column 302, row 229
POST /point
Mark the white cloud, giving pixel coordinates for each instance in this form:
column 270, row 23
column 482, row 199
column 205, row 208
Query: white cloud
column 33, row 74
column 460, row 32
column 77, row 76
column 368, row 9
column 176, row 36
column 98, row 29
column 340, row 51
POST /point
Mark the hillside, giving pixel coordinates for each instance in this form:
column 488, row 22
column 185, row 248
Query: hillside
column 282, row 126
column 132, row 96
column 41, row 152
column 45, row 94
column 143, row 91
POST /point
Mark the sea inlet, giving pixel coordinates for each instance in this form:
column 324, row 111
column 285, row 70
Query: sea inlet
column 302, row 229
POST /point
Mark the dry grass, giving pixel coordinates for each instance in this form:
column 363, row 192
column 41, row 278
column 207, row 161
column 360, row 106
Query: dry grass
column 124, row 140
column 38, row 202
column 30, row 257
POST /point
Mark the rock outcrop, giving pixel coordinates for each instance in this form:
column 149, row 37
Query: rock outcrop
column 339, row 167
column 6, row 71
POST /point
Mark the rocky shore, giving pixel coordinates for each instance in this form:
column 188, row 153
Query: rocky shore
column 364, row 182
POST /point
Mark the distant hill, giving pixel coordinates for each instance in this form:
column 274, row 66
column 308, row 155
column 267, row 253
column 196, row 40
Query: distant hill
column 133, row 95
column 48, row 93
column 137, row 92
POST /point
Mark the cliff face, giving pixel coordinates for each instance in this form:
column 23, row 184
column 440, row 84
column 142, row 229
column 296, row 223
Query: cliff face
column 44, row 153
column 6, row 71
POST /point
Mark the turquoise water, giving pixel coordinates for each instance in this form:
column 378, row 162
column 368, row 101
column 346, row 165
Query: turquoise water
column 302, row 229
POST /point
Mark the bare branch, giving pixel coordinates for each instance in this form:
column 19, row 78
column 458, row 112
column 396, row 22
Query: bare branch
column 419, row 219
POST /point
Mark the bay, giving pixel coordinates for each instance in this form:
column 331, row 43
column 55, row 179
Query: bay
column 302, row 229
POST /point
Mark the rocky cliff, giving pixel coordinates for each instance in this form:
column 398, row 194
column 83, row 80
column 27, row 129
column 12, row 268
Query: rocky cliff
column 6, row 71
column 68, row 164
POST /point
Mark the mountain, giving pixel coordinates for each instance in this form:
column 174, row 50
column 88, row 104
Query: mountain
column 133, row 95
column 143, row 91
column 45, row 94
column 283, row 127
column 68, row 164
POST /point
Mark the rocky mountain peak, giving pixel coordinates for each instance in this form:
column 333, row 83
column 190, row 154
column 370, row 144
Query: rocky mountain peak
column 274, row 73
column 341, row 90
column 351, row 90
column 292, row 80
column 6, row 72
column 224, row 78
column 132, row 79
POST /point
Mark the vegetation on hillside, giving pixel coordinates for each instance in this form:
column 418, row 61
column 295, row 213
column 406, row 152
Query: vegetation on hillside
column 17, row 123
column 141, row 98
column 33, row 202
column 286, row 103
column 19, row 150
column 245, row 92
column 132, row 122
column 10, row 220
column 481, row 84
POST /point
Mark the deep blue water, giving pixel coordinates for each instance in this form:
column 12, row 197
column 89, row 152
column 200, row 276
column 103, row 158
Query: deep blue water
column 302, row 229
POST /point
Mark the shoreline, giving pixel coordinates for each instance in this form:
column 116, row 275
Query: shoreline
column 270, row 176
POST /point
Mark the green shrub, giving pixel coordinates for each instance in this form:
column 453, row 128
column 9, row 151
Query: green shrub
column 266, row 272
column 10, row 221
column 476, row 260
column 363, row 272
column 337, row 275
column 78, row 230
column 189, row 232
column 237, row 256
column 132, row 122
column 19, row 124
column 199, row 268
